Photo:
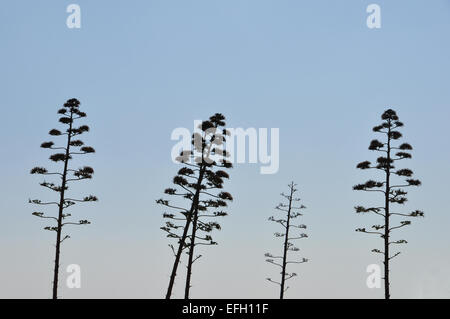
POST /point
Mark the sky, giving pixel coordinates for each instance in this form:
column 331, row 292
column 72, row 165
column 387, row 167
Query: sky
column 141, row 69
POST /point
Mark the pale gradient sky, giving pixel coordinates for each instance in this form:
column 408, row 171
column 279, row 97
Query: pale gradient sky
column 142, row 68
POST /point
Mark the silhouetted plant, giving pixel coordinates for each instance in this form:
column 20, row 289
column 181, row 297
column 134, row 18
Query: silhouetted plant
column 198, row 183
column 392, row 193
column 291, row 212
column 69, row 114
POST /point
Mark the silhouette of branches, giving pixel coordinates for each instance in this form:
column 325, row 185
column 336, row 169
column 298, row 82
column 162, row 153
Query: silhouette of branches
column 70, row 113
column 198, row 187
column 393, row 193
column 291, row 212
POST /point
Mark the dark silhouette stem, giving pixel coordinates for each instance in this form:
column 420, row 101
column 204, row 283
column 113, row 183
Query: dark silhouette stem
column 286, row 242
column 179, row 252
column 191, row 254
column 60, row 213
column 386, row 217
column 194, row 225
column 183, row 238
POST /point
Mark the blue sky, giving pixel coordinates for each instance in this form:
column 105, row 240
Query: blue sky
column 143, row 68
